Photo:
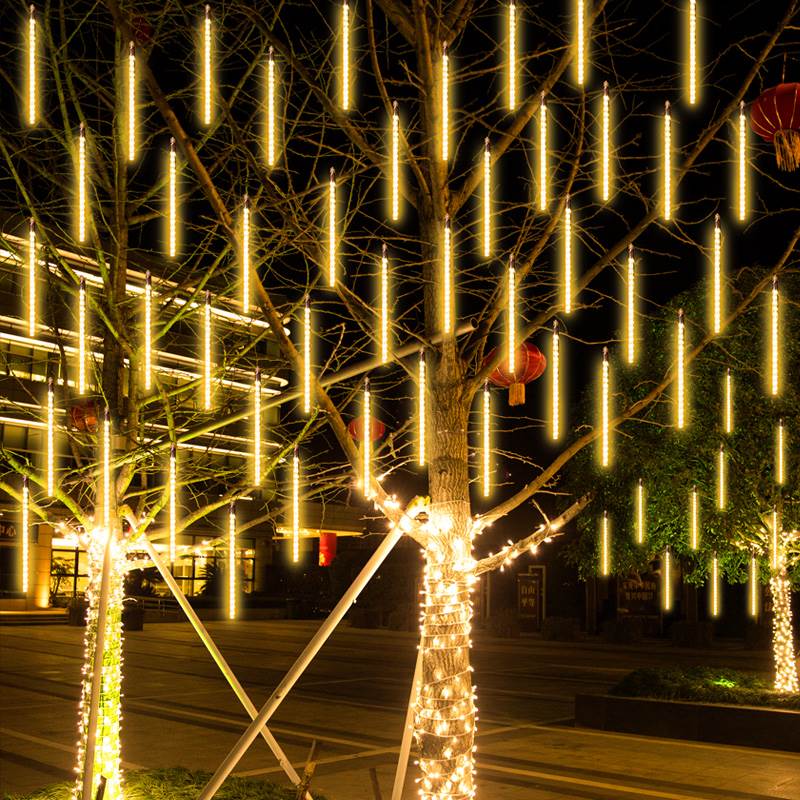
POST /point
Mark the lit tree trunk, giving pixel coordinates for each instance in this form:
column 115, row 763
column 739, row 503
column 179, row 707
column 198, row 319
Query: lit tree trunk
column 782, row 633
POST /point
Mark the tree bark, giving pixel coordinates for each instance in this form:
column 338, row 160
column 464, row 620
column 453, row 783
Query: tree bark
column 782, row 634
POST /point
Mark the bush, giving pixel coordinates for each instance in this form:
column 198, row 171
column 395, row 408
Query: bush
column 625, row 630
column 561, row 629
column 704, row 685
column 504, row 624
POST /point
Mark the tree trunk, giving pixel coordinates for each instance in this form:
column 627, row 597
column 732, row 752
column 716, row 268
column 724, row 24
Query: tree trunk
column 782, row 633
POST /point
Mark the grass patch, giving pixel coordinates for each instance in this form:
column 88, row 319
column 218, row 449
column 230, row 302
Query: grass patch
column 175, row 784
column 704, row 685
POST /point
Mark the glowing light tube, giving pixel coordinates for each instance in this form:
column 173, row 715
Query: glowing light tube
column 775, row 533
column 486, row 426
column 667, row 162
column 512, row 56
column 694, row 519
column 207, row 66
column 107, row 476
column 207, row 354
column 555, row 388
column 692, row 52
column 257, row 427
column 172, row 222
column 722, row 479
column 605, row 189
column 421, row 410
column 728, row 401
column 82, row 184
column 630, row 307
column 246, row 255
column 31, row 68
column 542, row 154
column 605, row 413
column 640, row 513
column 26, row 567
column 580, row 43
column 487, row 199
column 345, row 55
column 173, row 504
column 447, row 279
column 445, row 104
column 366, row 424
column 605, row 546
column 32, row 254
column 742, row 163
column 715, row 586
column 384, row 315
column 131, row 101
column 666, row 581
column 680, row 415
column 82, row 336
column 271, row 121
column 780, row 454
column 295, row 507
column 148, row 332
column 753, row 586
column 716, row 302
column 232, row 562
column 306, row 357
column 512, row 316
column 332, row 228
column 567, row 257
column 395, row 170
column 51, row 439
column 774, row 327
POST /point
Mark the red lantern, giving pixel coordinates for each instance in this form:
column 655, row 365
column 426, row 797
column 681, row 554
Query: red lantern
column 84, row 416
column 356, row 429
column 327, row 548
column 775, row 117
column 529, row 364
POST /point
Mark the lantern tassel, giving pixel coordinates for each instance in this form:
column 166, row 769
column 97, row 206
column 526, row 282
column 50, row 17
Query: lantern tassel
column 787, row 149
column 516, row 394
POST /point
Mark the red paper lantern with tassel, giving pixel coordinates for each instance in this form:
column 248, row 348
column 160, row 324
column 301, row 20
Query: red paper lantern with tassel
column 529, row 364
column 775, row 117
column 356, row 429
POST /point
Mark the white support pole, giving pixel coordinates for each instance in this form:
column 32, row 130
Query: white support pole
column 408, row 731
column 299, row 666
column 97, row 671
column 220, row 661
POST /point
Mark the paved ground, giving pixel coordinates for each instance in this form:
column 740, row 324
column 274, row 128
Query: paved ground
column 179, row 711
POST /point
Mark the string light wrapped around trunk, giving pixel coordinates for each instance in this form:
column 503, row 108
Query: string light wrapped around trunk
column 232, row 561
column 542, row 154
column 32, row 258
column 786, row 679
column 51, row 439
column 82, row 336
column 555, row 387
column 131, row 101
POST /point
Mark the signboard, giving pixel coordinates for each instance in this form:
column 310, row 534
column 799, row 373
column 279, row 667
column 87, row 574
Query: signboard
column 638, row 595
column 530, row 596
column 7, row 531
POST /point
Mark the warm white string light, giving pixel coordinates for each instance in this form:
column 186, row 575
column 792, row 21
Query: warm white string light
column 753, row 586
column 271, row 113
column 32, row 65
column 447, row 278
column 82, row 184
column 555, row 387
column 715, row 586
column 173, row 503
column 512, row 56
column 207, row 353
column 366, row 441
column 775, row 534
column 295, row 507
column 667, row 162
column 25, row 532
column 345, row 55
column 722, row 479
column 774, row 328
column 717, row 278
column 51, row 439
column 641, row 530
column 395, row 169
column 666, row 581
column 567, row 256
column 332, row 228
column 131, row 101
column 606, row 145
column 445, row 103
column 82, row 336
column 148, row 331
column 692, row 52
column 728, row 401
column 384, row 315
column 487, row 198
column 630, row 306
column 487, row 453
column 512, row 316
column 232, row 561
column 172, row 222
column 694, row 519
column 680, row 417
column 246, row 255
column 421, row 409
column 32, row 258
column 207, row 66
column 580, row 42
column 542, row 154
column 306, row 357
column 780, row 454
column 742, row 163
column 605, row 413
column 605, row 546
column 107, row 476
column 257, row 427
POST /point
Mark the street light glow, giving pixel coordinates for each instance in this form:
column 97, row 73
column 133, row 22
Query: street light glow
column 32, row 255
column 555, row 389
column 51, row 439
column 487, row 199
column 486, row 425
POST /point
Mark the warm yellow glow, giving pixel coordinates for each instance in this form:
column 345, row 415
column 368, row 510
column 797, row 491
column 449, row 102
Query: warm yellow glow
column 694, row 519
column 666, row 581
column 605, row 413
column 780, row 454
column 722, row 479
column 567, row 257
column 606, row 145
column 395, row 171
column 107, row 476
column 51, row 439
column 667, row 162
column 445, row 104
column 680, row 405
column 542, row 155
column 82, row 184
column 332, row 229
column 82, row 337
column 774, row 328
column 207, row 354
column 786, row 679
column 421, row 410
column 384, row 315
column 173, row 199
column 25, row 534
column 257, row 427
column 32, row 65
column 32, row 257
column 753, row 587
column 692, row 52
column 447, row 278
column 306, row 357
column 232, row 562
column 487, row 199
column 775, row 534
column 715, row 586
column 630, row 306
column 148, row 332
column 605, row 546
column 246, row 256
column 512, row 56
column 271, row 117
column 512, row 316
column 173, row 504
column 131, row 102
column 295, row 508
column 742, row 160
column 717, row 278
column 366, row 441
column 580, row 43
column 640, row 513
column 487, row 454
column 345, row 55
column 555, row 388
column 207, row 67
column 728, row 401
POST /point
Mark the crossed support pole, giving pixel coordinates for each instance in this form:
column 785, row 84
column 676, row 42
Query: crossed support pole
column 408, row 731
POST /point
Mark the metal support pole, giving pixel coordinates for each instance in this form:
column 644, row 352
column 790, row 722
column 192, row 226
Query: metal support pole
column 220, row 661
column 299, row 666
column 408, row 731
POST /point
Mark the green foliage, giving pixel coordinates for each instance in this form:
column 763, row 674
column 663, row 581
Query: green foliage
column 670, row 462
column 175, row 784
column 705, row 685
